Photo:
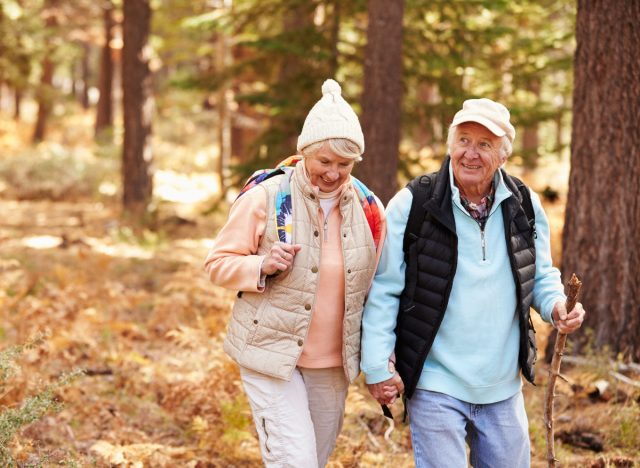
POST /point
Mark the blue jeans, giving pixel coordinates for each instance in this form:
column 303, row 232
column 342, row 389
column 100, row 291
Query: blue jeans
column 497, row 433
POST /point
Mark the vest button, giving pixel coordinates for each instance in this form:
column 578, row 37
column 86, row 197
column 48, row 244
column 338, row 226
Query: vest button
column 300, row 342
column 313, row 197
column 344, row 235
column 255, row 321
column 349, row 270
column 315, row 233
column 307, row 307
column 314, row 269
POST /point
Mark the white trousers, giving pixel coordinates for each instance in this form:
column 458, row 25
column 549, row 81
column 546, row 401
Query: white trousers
column 297, row 421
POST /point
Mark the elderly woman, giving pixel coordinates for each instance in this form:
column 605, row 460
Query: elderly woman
column 467, row 253
column 302, row 259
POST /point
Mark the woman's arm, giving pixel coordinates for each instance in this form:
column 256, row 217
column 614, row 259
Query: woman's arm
column 233, row 262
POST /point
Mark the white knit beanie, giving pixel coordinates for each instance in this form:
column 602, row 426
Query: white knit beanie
column 331, row 117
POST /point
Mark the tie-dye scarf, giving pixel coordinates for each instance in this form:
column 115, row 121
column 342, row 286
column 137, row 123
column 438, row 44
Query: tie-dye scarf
column 283, row 212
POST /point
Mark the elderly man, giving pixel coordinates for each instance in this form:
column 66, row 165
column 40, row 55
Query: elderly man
column 466, row 254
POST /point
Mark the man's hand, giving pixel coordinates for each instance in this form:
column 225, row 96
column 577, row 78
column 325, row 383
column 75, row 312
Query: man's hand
column 279, row 258
column 567, row 322
column 387, row 392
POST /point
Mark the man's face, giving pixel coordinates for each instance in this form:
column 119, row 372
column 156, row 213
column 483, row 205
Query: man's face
column 476, row 154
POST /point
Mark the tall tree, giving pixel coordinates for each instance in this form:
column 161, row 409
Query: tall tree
column 104, row 111
column 137, row 105
column 85, row 72
column 382, row 97
column 45, row 91
column 600, row 240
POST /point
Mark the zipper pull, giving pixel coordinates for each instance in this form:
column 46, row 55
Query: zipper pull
column 484, row 245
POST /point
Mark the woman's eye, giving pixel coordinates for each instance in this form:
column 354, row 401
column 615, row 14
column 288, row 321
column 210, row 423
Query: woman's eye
column 464, row 140
column 484, row 144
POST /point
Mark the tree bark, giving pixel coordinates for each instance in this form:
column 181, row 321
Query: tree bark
column 137, row 105
column 45, row 91
column 225, row 97
column 104, row 111
column 17, row 101
column 382, row 97
column 530, row 140
column 45, row 99
column 85, row 70
column 600, row 239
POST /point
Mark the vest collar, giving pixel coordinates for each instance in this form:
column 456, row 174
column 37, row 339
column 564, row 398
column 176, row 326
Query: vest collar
column 502, row 192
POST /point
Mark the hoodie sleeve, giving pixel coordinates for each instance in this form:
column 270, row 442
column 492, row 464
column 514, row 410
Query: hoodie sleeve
column 381, row 310
column 548, row 288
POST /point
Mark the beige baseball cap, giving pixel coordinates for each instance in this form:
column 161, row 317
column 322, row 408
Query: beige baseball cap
column 488, row 113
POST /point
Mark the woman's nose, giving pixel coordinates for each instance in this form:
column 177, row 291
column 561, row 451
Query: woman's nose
column 332, row 173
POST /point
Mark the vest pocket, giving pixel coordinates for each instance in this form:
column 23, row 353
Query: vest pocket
column 256, row 322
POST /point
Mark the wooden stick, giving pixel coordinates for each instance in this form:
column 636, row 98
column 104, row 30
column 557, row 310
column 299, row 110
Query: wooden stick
column 554, row 372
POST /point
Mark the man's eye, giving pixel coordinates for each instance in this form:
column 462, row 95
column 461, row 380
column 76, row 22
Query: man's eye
column 464, row 140
column 484, row 144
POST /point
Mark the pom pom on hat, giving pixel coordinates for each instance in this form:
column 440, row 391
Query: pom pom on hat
column 331, row 86
column 331, row 117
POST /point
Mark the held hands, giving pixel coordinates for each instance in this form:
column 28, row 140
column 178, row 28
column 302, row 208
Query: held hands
column 387, row 392
column 567, row 322
column 279, row 258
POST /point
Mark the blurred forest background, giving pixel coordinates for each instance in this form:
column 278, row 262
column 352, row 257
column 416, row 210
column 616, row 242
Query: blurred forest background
column 127, row 126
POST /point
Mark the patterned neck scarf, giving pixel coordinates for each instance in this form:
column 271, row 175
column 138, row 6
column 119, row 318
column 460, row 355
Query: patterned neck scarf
column 479, row 211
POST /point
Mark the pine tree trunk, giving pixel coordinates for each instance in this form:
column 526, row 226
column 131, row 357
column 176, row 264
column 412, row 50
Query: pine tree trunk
column 530, row 140
column 104, row 111
column 224, row 61
column 84, row 96
column 137, row 105
column 382, row 97
column 17, row 101
column 45, row 99
column 600, row 240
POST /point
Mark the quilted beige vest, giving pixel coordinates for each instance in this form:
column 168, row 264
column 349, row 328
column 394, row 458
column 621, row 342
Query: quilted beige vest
column 267, row 330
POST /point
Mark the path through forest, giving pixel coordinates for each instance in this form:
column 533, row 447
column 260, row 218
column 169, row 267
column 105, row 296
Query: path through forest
column 136, row 311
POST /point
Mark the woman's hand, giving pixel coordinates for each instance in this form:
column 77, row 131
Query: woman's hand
column 280, row 258
column 388, row 391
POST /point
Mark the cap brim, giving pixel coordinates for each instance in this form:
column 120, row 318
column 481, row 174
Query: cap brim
column 482, row 120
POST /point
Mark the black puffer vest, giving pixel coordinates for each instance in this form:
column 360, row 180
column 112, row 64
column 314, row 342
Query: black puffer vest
column 431, row 261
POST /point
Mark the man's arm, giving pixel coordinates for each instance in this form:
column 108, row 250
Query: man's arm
column 381, row 309
column 548, row 290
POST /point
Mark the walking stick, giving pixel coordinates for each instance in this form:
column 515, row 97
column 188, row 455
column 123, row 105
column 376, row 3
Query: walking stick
column 554, row 371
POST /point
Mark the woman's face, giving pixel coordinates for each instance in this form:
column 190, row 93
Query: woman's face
column 327, row 170
column 476, row 154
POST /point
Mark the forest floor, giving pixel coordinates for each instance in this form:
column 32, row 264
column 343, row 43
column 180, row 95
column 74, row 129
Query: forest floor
column 134, row 309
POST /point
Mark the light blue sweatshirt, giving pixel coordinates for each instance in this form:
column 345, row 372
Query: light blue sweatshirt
column 474, row 356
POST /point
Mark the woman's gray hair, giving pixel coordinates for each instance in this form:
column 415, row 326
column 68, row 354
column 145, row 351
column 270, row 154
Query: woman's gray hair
column 340, row 146
column 507, row 147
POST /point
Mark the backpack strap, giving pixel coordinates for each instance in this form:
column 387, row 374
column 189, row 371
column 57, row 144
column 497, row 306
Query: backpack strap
column 421, row 187
column 371, row 209
column 527, row 205
column 283, row 205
